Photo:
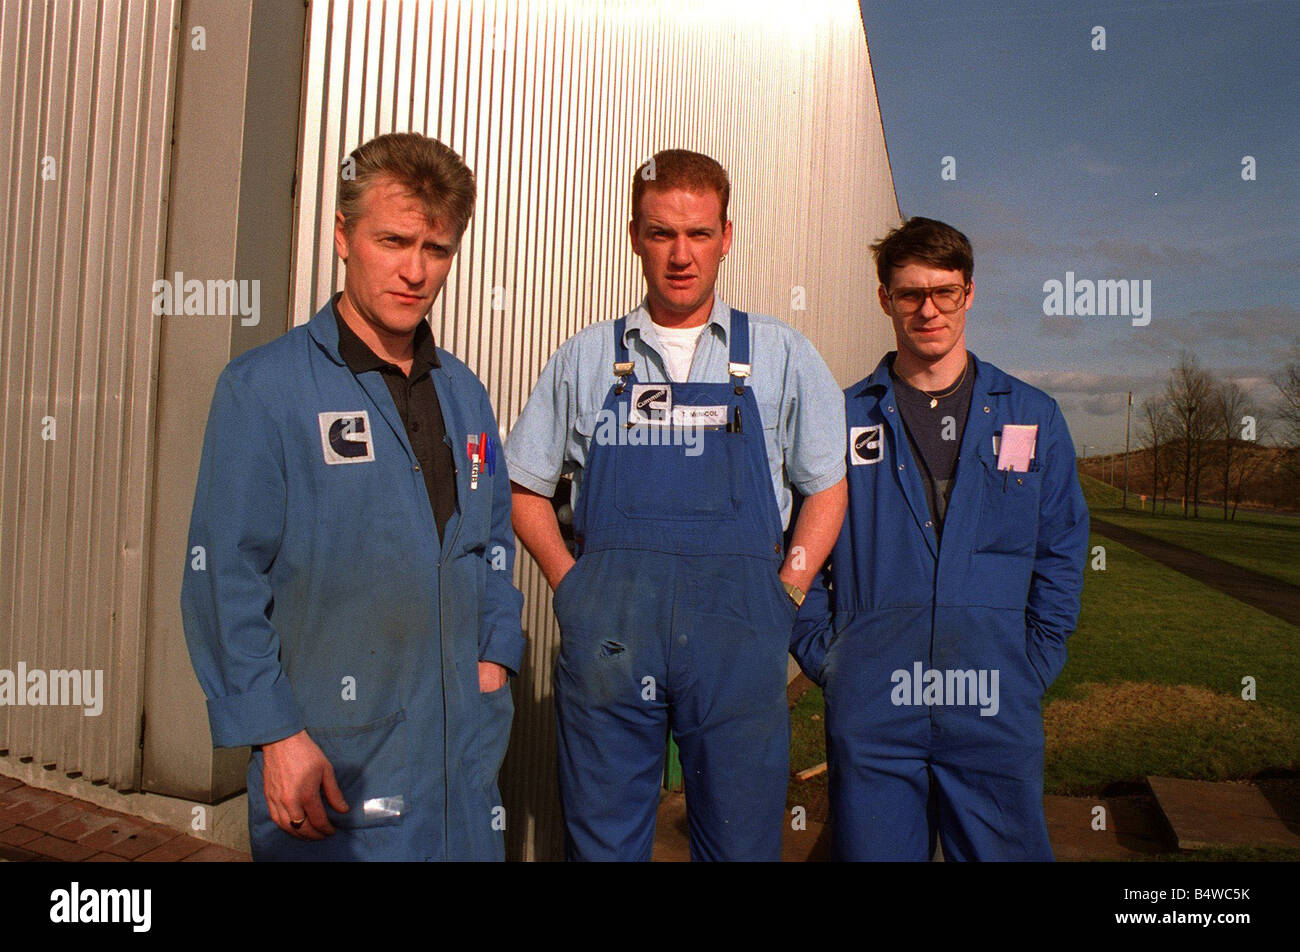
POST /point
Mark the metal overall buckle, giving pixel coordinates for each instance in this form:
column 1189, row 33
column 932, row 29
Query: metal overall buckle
column 622, row 370
column 738, row 372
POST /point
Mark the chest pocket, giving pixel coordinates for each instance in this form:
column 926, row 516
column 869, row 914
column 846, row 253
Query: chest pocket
column 474, row 505
column 1008, row 523
column 771, row 416
column 579, row 446
column 674, row 477
column 775, row 452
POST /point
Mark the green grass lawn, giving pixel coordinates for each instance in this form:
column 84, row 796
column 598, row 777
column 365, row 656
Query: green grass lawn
column 1154, row 683
column 1153, row 686
column 808, row 749
column 1143, row 622
column 1262, row 542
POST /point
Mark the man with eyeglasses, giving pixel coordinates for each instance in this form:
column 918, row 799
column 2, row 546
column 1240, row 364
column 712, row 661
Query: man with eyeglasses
column 942, row 616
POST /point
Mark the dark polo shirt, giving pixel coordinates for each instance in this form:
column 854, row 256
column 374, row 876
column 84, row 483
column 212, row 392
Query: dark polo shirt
column 417, row 403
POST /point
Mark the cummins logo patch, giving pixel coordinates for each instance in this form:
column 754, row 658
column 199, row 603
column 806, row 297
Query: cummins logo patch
column 866, row 444
column 650, row 398
column 346, row 438
column 651, row 403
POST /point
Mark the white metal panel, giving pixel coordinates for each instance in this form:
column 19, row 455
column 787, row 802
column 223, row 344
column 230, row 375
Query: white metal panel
column 553, row 105
column 87, row 87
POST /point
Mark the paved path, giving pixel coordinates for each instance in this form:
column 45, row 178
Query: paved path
column 42, row 825
column 1280, row 599
column 1133, row 831
column 39, row 825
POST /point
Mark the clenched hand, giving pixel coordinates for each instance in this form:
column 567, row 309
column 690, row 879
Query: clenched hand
column 294, row 771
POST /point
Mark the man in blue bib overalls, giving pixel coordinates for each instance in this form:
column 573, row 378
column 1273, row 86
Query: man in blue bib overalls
column 684, row 424
column 953, row 586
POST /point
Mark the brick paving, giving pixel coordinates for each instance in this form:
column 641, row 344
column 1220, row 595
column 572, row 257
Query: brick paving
column 43, row 826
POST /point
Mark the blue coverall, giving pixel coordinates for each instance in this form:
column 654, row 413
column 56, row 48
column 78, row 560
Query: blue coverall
column 674, row 615
column 1000, row 594
column 317, row 595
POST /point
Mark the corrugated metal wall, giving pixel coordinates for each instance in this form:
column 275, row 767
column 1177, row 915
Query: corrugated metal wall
column 85, row 92
column 553, row 105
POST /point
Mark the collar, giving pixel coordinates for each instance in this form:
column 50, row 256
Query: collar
column 358, row 356
column 641, row 322
column 988, row 379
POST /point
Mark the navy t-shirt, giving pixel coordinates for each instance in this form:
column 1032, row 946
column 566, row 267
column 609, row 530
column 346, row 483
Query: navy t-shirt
column 934, row 433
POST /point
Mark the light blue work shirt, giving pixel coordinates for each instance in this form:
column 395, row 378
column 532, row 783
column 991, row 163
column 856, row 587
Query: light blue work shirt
column 801, row 405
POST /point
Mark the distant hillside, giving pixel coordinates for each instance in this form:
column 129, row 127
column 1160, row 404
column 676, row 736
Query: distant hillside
column 1262, row 477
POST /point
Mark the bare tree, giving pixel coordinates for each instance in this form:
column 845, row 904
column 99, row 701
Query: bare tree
column 1187, row 394
column 1287, row 382
column 1170, row 455
column 1251, row 459
column 1157, row 426
column 1288, row 385
column 1227, row 408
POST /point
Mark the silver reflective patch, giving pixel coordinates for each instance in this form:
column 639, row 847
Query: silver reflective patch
column 382, row 808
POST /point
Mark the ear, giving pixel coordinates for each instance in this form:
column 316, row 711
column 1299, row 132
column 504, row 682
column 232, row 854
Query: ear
column 970, row 295
column 340, row 237
column 884, row 299
column 634, row 238
column 726, row 238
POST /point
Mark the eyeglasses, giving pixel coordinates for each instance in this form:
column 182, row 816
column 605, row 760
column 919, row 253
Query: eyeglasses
column 947, row 298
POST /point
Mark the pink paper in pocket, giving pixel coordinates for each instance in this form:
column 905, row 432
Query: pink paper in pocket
column 1017, row 447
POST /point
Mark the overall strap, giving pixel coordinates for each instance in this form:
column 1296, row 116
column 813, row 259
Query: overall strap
column 623, row 365
column 738, row 365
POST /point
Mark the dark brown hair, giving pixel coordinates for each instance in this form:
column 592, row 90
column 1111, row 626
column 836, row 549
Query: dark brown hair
column 925, row 240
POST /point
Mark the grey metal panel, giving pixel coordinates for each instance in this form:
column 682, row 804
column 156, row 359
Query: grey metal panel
column 88, row 85
column 553, row 104
column 230, row 215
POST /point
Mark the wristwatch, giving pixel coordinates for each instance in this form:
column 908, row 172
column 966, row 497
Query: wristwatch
column 795, row 592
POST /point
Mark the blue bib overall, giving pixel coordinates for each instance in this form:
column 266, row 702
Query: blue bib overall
column 674, row 617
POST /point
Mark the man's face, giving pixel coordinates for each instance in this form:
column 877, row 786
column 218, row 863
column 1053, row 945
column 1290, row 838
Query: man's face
column 927, row 333
column 680, row 238
column 397, row 261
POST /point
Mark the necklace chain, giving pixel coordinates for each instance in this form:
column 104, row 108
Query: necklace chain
column 936, row 397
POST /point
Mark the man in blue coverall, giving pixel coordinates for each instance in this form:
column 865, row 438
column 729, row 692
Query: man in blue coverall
column 684, row 424
column 348, row 600
column 943, row 614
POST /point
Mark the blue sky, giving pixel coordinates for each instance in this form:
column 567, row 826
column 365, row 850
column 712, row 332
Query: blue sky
column 1115, row 164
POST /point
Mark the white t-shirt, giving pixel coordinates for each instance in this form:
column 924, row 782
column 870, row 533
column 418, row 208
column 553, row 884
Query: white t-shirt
column 678, row 349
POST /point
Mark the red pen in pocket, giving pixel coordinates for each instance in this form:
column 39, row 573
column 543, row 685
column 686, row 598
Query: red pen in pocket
column 475, row 449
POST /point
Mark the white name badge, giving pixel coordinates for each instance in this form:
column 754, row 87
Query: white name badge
column 699, row 416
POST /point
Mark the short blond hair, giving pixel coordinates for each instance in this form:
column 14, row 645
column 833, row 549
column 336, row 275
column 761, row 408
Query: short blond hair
column 433, row 173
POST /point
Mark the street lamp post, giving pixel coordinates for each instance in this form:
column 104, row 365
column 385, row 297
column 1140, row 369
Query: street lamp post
column 1128, row 413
